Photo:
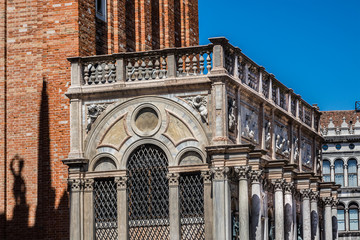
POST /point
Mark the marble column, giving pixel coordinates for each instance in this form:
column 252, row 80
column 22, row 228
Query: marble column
column 315, row 230
column 256, row 203
column 347, row 224
column 174, row 207
column 334, row 218
column 221, row 204
column 306, row 219
column 288, row 211
column 358, row 175
column 332, row 173
column 208, row 209
column 279, row 209
column 346, row 182
column 122, row 208
column 75, row 220
column 244, row 233
column 89, row 228
column 328, row 218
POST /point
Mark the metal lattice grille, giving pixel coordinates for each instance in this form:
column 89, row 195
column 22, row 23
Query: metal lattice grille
column 192, row 207
column 105, row 209
column 148, row 194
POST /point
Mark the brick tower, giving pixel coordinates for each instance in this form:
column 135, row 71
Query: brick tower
column 36, row 37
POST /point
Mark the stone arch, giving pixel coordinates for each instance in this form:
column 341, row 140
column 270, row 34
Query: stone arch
column 190, row 156
column 107, row 160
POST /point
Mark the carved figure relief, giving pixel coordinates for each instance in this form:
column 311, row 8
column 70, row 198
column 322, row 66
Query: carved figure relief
column 296, row 149
column 267, row 134
column 232, row 114
column 200, row 104
column 282, row 143
column 93, row 112
column 249, row 124
column 306, row 153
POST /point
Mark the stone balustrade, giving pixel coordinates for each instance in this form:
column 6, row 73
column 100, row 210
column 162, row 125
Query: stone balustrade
column 213, row 59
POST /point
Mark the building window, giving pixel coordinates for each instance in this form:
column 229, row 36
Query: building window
column 326, row 171
column 341, row 218
column 351, row 146
column 338, row 146
column 101, row 9
column 353, row 217
column 325, row 147
column 352, row 172
column 339, row 172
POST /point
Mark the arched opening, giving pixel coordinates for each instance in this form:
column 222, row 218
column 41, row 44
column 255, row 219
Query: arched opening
column 339, row 172
column 148, row 193
column 353, row 217
column 352, row 173
column 341, row 217
column 326, row 171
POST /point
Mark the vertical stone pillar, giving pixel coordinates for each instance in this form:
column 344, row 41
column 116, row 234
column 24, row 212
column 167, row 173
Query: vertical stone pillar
column 306, row 219
column 174, row 206
column 256, row 203
column 279, row 209
column 346, row 175
column 244, row 233
column 75, row 220
column 89, row 228
column 328, row 219
column 315, row 230
column 334, row 219
column 288, row 211
column 347, row 224
column 218, row 54
column 122, row 208
column 332, row 173
column 208, row 208
column 358, row 174
column 221, row 204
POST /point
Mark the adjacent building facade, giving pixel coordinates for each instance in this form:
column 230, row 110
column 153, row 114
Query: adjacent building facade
column 193, row 143
column 341, row 156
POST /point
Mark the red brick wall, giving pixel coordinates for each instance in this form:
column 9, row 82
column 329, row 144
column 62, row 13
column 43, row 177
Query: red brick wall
column 34, row 112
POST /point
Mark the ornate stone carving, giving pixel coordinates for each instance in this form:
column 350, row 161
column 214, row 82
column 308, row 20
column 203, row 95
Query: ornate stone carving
column 282, row 143
column 296, row 149
column 314, row 196
column 267, row 134
column 255, row 176
column 328, row 201
column 306, row 193
column 279, row 184
column 121, row 182
column 220, row 173
column 306, row 153
column 93, row 112
column 335, row 203
column 288, row 187
column 242, row 171
column 249, row 124
column 75, row 184
column 200, row 104
column 173, row 179
column 88, row 184
column 232, row 114
column 206, row 175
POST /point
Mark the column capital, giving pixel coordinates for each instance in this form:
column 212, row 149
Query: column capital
column 173, row 179
column 255, row 176
column 121, row 182
column 75, row 184
column 288, row 187
column 306, row 193
column 278, row 184
column 206, row 175
column 242, row 172
column 335, row 203
column 89, row 184
column 332, row 166
column 314, row 196
column 345, row 166
column 328, row 201
column 220, row 173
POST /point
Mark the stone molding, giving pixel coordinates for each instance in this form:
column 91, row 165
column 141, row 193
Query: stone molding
column 121, row 182
column 242, row 172
column 220, row 173
column 173, row 179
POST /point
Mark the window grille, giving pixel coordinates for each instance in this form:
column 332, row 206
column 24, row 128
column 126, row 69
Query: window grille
column 192, row 207
column 105, row 209
column 148, row 194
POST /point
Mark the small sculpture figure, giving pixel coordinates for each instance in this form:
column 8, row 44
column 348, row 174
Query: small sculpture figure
column 94, row 112
column 279, row 143
column 296, row 149
column 232, row 117
column 199, row 103
column 268, row 135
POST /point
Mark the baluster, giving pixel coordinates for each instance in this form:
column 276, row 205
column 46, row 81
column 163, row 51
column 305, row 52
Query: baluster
column 208, row 62
column 194, row 63
column 163, row 64
column 107, row 75
column 86, row 74
column 113, row 72
column 129, row 71
column 136, row 69
column 150, row 66
column 142, row 69
column 180, row 69
column 187, row 64
column 93, row 74
column 202, row 63
column 157, row 68
column 99, row 71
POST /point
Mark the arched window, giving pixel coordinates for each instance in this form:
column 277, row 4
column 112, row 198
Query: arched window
column 326, row 171
column 148, row 194
column 339, row 172
column 352, row 172
column 353, row 217
column 341, row 217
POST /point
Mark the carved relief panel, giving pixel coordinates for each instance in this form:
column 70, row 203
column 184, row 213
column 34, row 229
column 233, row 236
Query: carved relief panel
column 249, row 123
column 282, row 141
column 306, row 154
column 295, row 144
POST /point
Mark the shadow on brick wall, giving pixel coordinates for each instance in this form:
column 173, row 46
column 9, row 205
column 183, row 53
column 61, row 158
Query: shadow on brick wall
column 51, row 221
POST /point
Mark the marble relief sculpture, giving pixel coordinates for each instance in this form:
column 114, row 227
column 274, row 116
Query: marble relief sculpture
column 232, row 116
column 249, row 124
column 296, row 148
column 268, row 135
column 306, row 156
column 282, row 143
column 93, row 112
column 199, row 103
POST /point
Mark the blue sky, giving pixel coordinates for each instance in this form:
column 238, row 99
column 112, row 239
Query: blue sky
column 312, row 47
